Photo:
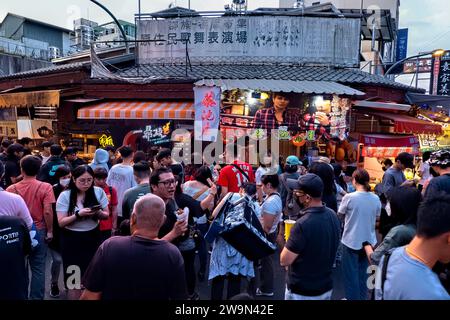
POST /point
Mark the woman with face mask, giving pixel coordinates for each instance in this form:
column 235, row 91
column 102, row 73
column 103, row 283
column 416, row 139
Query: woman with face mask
column 62, row 175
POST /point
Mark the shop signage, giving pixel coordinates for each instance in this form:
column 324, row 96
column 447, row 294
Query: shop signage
column 311, row 135
column 402, row 44
column 156, row 134
column 283, row 133
column 299, row 140
column 106, row 141
column 244, row 39
column 425, row 65
column 207, row 113
column 8, row 129
column 441, row 75
column 35, row 129
column 430, row 142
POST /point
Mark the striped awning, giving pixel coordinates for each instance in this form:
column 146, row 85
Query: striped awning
column 139, row 110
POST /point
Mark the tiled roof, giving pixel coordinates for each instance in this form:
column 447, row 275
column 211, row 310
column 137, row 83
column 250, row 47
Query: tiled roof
column 269, row 72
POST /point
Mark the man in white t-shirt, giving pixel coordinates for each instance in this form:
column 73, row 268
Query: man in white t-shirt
column 121, row 178
column 271, row 212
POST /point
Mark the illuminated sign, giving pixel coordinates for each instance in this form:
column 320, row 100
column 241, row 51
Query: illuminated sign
column 106, row 141
column 155, row 134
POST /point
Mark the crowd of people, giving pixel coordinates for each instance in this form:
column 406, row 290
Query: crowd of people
column 130, row 226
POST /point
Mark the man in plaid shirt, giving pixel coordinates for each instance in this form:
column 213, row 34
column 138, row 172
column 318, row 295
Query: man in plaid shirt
column 276, row 116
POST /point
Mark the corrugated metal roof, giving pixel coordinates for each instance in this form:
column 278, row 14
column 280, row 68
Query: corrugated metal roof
column 317, row 87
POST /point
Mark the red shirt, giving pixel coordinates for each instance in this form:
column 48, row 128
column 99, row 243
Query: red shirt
column 231, row 178
column 107, row 224
column 36, row 195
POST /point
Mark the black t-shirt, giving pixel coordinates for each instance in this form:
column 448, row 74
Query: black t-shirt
column 315, row 238
column 195, row 210
column 15, row 244
column 134, row 268
column 438, row 185
column 330, row 201
column 12, row 169
column 48, row 170
column 76, row 163
column 171, row 218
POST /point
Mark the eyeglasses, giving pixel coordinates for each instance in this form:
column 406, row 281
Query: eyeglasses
column 299, row 193
column 169, row 183
column 85, row 181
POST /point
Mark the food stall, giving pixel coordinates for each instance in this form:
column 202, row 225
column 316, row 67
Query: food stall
column 314, row 120
column 143, row 125
column 384, row 134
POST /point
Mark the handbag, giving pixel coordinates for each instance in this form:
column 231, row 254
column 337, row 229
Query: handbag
column 243, row 230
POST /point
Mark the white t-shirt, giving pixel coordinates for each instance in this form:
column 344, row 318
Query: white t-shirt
column 361, row 210
column 259, row 173
column 121, row 178
column 425, row 170
column 273, row 206
column 45, row 159
column 62, row 208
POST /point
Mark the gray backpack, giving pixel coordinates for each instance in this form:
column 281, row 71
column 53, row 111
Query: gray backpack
column 291, row 208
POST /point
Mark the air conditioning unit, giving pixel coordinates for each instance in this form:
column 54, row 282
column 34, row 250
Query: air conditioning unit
column 54, row 52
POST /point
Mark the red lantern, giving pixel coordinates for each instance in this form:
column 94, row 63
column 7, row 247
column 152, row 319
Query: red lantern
column 299, row 140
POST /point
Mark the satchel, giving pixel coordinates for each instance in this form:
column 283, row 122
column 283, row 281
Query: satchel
column 243, row 230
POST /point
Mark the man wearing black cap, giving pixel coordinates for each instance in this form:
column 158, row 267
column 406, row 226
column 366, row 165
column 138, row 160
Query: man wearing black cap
column 440, row 162
column 72, row 158
column 12, row 166
column 394, row 176
column 311, row 248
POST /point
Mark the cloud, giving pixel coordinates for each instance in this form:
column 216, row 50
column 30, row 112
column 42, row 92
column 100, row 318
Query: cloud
column 427, row 24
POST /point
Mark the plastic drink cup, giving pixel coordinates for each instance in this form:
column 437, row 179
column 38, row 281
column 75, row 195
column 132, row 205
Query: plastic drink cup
column 288, row 224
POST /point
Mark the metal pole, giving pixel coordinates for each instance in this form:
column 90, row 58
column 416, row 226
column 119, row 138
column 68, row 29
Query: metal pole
column 117, row 23
column 189, row 4
column 417, row 72
column 406, row 59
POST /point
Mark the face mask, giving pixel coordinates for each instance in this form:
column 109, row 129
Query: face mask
column 64, row 182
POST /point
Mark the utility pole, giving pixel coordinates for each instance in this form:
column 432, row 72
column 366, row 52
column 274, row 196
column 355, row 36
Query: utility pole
column 417, row 72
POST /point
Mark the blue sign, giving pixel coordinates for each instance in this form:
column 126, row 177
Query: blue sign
column 402, row 44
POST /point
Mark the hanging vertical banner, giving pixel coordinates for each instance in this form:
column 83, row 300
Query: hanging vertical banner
column 207, row 113
column 402, row 44
column 440, row 84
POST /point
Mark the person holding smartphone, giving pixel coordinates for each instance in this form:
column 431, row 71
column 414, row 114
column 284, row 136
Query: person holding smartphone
column 79, row 210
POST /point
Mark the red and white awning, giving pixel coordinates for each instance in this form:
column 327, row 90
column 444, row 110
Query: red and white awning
column 139, row 110
column 386, row 146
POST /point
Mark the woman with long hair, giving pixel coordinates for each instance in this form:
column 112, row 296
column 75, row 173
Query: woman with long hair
column 404, row 204
column 79, row 209
column 361, row 210
column 326, row 173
